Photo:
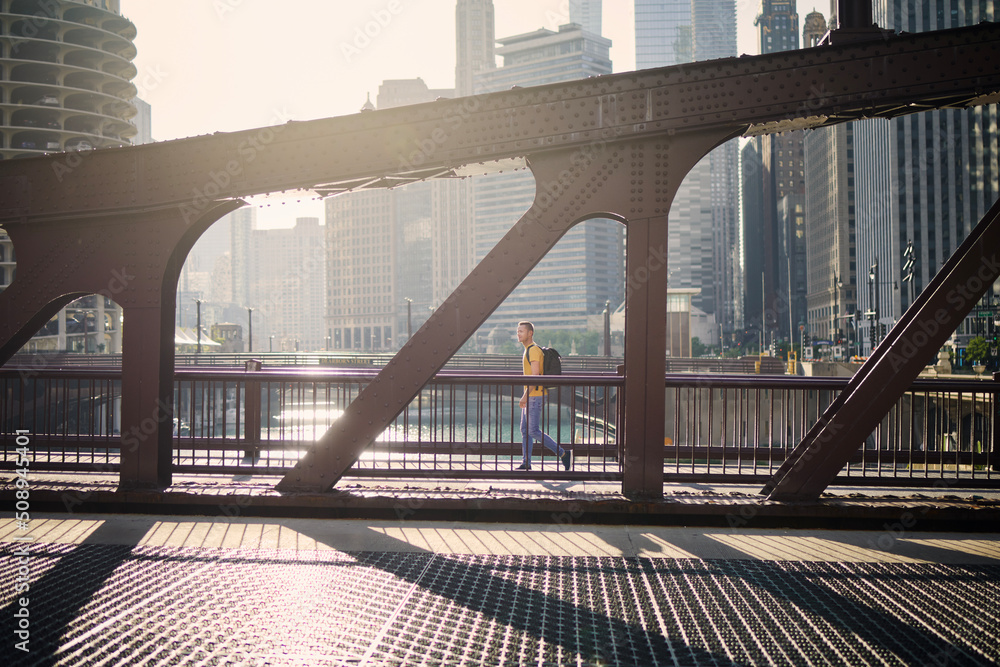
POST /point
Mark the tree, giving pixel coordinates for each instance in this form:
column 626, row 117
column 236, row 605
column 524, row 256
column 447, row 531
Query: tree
column 697, row 347
column 977, row 350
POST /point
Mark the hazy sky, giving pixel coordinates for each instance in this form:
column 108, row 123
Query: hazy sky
column 224, row 65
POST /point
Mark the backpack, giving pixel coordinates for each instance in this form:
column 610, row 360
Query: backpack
column 551, row 361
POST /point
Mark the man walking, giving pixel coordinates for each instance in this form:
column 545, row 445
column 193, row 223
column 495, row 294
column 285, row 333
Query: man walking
column 532, row 401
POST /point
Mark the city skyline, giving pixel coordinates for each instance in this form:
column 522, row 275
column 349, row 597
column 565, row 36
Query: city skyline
column 312, row 70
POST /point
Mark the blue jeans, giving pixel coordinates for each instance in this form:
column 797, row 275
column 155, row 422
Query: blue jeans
column 531, row 429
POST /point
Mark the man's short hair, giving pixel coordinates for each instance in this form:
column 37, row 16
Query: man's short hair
column 526, row 323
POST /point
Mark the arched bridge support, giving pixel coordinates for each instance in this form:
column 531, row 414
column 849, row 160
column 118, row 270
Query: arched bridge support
column 135, row 260
column 634, row 182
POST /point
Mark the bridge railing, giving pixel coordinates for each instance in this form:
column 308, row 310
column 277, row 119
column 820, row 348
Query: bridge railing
column 464, row 424
column 459, row 425
column 730, row 428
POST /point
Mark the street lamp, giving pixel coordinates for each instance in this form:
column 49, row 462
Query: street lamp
column 873, row 306
column 409, row 318
column 250, row 327
column 837, row 285
column 198, row 304
column 857, row 329
column 607, row 328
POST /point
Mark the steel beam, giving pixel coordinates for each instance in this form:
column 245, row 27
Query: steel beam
column 134, row 259
column 663, row 168
column 752, row 94
column 644, row 392
column 893, row 366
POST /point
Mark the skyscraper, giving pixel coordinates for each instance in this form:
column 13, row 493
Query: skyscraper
column 704, row 236
column 361, row 250
column 778, row 22
column 751, row 241
column 831, row 253
column 242, row 222
column 777, row 231
column 393, row 255
column 65, row 77
column 924, row 179
column 587, row 14
column 586, row 268
column 288, row 289
column 475, row 42
column 831, row 230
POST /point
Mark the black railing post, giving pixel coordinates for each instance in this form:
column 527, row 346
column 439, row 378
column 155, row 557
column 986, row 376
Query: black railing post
column 252, row 411
column 620, row 418
column 994, row 455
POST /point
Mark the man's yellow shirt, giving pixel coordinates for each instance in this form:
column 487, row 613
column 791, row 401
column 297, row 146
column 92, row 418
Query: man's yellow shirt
column 533, row 353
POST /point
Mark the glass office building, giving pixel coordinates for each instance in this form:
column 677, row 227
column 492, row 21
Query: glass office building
column 704, row 240
column 925, row 179
column 586, row 268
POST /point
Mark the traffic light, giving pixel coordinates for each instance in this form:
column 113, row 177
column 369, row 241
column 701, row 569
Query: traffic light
column 806, row 340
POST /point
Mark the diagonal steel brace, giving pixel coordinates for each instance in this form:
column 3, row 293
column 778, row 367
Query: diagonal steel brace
column 893, row 366
column 554, row 211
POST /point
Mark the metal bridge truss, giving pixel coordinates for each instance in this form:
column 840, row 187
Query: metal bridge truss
column 120, row 223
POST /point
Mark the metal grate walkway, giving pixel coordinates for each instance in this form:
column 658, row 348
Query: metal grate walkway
column 98, row 604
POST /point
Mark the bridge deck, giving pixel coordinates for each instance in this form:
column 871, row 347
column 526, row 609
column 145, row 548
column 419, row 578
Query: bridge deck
column 108, row 589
